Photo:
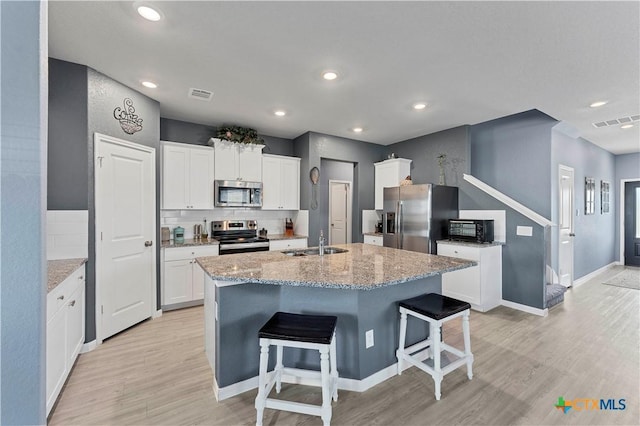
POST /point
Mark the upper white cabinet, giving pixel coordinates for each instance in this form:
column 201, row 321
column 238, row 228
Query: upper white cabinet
column 389, row 173
column 280, row 182
column 237, row 161
column 187, row 176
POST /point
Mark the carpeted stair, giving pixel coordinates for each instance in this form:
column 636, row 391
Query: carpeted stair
column 555, row 294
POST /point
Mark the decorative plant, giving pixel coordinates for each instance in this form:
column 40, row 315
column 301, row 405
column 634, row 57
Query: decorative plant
column 442, row 160
column 239, row 134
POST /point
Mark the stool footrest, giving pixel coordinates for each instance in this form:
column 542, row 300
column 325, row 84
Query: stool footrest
column 294, row 407
column 418, row 346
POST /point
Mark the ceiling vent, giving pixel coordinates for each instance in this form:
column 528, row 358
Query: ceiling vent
column 615, row 122
column 201, row 94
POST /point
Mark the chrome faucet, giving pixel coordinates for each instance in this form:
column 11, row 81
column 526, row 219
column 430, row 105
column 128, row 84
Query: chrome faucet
column 321, row 244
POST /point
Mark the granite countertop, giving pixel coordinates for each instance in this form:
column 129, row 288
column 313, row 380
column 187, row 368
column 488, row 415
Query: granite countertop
column 363, row 267
column 373, row 234
column 470, row 244
column 285, row 237
column 60, row 270
column 190, row 243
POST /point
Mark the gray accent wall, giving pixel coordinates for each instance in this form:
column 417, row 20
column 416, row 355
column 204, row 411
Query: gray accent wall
column 23, row 276
column 594, row 243
column 67, row 187
column 312, row 148
column 627, row 167
column 199, row 134
column 424, row 152
column 513, row 155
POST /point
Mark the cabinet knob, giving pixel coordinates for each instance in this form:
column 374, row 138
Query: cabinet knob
column 148, row 243
column 81, row 277
column 72, row 303
column 61, row 297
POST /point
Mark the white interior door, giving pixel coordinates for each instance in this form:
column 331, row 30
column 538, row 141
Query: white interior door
column 125, row 234
column 566, row 230
column 339, row 195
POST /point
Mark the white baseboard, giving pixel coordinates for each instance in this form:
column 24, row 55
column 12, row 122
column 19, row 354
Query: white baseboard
column 158, row 314
column 525, row 308
column 593, row 274
column 88, row 347
column 353, row 385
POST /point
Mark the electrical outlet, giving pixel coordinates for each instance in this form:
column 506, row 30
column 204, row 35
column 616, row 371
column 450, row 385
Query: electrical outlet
column 368, row 337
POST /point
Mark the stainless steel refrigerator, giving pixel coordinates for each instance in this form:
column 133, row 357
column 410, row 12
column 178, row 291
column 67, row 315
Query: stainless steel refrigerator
column 415, row 216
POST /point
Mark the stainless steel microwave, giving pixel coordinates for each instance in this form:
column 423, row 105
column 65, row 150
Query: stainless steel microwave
column 237, row 193
column 473, row 230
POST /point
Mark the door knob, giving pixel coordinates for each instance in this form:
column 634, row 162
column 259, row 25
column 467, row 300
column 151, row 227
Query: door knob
column 148, row 243
column 572, row 234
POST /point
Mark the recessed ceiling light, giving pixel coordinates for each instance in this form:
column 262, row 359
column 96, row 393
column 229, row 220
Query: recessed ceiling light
column 330, row 75
column 149, row 13
column 149, row 84
column 626, row 126
column 280, row 113
column 419, row 105
column 598, row 104
column 357, row 129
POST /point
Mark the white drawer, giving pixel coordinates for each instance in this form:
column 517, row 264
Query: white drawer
column 461, row 252
column 373, row 239
column 60, row 295
column 295, row 243
column 186, row 253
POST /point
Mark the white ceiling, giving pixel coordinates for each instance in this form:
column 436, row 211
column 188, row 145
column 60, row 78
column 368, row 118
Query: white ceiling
column 471, row 61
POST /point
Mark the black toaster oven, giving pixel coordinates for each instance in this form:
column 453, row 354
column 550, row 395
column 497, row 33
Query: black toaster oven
column 472, row 230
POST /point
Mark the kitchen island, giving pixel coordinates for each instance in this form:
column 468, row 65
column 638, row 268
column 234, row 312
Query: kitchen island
column 360, row 286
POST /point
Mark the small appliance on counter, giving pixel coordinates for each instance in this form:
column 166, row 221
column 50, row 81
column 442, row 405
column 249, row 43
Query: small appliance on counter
column 472, row 230
column 197, row 230
column 379, row 227
column 262, row 233
column 178, row 235
column 288, row 228
column 165, row 234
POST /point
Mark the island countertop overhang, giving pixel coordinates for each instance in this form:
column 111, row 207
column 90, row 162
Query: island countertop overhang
column 363, row 267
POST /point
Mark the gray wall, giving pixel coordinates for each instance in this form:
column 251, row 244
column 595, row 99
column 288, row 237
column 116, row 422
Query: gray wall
column 627, row 168
column 312, row 148
column 594, row 243
column 22, row 213
column 336, row 170
column 424, row 152
column 67, row 187
column 104, row 96
column 199, row 134
column 513, row 155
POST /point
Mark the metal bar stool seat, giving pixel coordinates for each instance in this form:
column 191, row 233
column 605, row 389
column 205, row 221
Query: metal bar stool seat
column 298, row 331
column 436, row 310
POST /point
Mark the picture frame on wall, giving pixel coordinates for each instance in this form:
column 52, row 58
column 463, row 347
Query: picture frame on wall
column 589, row 195
column 605, row 188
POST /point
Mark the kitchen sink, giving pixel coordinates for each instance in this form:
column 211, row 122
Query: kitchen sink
column 314, row 251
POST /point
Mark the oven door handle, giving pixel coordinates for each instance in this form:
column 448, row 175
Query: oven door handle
column 243, row 246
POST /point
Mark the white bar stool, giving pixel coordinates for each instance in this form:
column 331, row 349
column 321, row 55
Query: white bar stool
column 436, row 310
column 298, row 331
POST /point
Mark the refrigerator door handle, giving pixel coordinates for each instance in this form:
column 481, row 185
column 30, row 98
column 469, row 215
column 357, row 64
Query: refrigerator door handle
column 399, row 224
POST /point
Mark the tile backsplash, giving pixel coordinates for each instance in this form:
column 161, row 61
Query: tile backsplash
column 272, row 220
column 67, row 234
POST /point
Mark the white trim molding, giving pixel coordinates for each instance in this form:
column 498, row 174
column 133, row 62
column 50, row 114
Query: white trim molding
column 88, row 347
column 524, row 308
column 505, row 199
column 593, row 274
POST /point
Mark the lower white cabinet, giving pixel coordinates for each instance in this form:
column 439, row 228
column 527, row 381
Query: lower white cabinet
column 288, row 244
column 376, row 240
column 65, row 331
column 480, row 285
column 182, row 277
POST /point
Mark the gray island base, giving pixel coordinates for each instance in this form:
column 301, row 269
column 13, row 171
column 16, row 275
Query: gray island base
column 361, row 287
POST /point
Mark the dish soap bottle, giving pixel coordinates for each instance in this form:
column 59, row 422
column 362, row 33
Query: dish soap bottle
column 205, row 234
column 321, row 244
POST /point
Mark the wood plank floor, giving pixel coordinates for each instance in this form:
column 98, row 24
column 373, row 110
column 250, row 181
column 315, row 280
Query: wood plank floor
column 587, row 347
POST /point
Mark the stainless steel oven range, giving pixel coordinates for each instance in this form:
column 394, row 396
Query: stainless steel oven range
column 238, row 236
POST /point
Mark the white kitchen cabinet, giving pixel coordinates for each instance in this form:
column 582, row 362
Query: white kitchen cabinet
column 288, row 244
column 375, row 240
column 389, row 173
column 182, row 277
column 237, row 161
column 280, row 182
column 480, row 285
column 187, row 176
column 65, row 332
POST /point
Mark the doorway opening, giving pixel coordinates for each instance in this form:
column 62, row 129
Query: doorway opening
column 339, row 212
